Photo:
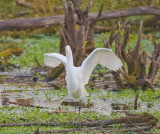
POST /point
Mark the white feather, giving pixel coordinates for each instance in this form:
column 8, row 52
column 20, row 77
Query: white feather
column 102, row 56
column 54, row 59
column 77, row 77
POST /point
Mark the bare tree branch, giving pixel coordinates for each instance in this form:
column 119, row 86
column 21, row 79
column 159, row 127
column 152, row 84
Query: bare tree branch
column 65, row 6
column 136, row 49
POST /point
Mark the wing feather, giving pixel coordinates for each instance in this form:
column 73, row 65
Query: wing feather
column 102, row 56
column 54, row 59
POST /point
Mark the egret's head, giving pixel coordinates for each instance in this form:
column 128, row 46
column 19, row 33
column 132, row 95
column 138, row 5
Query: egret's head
column 68, row 50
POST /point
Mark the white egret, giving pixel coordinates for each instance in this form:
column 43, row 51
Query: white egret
column 77, row 77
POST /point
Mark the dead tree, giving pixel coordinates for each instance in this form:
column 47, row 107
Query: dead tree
column 76, row 37
column 90, row 46
column 135, row 75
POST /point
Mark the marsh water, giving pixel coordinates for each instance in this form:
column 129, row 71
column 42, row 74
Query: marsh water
column 22, row 88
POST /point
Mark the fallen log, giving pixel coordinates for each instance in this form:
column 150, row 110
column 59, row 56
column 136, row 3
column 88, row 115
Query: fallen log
column 89, row 129
column 67, row 130
column 143, row 119
column 24, row 23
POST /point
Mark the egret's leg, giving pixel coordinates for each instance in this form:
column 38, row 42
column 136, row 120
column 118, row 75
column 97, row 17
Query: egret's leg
column 79, row 113
column 75, row 113
column 79, row 110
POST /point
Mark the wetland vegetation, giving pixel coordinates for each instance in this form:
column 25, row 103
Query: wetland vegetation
column 31, row 104
column 24, row 100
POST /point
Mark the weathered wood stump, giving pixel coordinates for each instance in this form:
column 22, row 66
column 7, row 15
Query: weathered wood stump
column 76, row 37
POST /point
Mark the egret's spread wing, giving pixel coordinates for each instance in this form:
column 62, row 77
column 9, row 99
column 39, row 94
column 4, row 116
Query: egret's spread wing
column 54, row 59
column 101, row 56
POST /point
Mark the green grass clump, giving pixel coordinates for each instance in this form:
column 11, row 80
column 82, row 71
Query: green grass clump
column 33, row 47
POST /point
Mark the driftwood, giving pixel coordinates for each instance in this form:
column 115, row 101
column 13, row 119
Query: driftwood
column 100, row 129
column 67, row 130
column 141, row 130
column 24, row 105
column 132, row 123
column 20, row 24
column 143, row 119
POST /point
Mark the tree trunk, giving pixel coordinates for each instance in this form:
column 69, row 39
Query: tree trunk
column 74, row 37
column 20, row 24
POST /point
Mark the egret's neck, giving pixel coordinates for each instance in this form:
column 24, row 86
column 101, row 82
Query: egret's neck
column 70, row 60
